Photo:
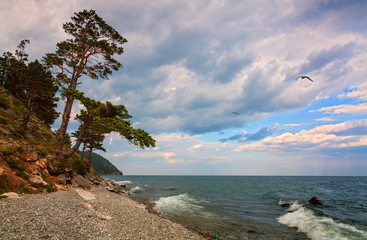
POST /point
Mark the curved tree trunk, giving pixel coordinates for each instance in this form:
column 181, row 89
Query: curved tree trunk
column 63, row 128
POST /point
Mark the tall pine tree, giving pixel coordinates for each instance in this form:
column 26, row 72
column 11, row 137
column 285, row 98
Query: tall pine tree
column 89, row 53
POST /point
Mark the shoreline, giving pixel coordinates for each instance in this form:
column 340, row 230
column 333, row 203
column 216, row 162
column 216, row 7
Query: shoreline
column 150, row 208
column 86, row 214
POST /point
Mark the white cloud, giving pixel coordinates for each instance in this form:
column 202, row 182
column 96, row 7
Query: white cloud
column 359, row 92
column 346, row 108
column 292, row 125
column 325, row 119
column 324, row 136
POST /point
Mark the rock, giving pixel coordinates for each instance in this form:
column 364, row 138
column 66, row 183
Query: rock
column 85, row 194
column 63, row 179
column 104, row 217
column 90, row 177
column 38, row 180
column 87, row 206
column 10, row 195
column 59, row 187
column 79, row 181
column 315, row 201
column 285, row 205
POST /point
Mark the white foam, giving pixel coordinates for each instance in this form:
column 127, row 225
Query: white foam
column 123, row 182
column 135, row 189
column 294, row 207
column 320, row 228
column 179, row 203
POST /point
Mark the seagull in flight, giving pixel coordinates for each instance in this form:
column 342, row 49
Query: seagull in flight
column 302, row 77
column 236, row 113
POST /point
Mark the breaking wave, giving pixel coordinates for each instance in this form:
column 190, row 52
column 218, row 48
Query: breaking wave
column 182, row 203
column 318, row 227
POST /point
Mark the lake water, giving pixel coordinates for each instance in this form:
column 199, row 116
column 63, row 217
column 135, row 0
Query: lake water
column 259, row 207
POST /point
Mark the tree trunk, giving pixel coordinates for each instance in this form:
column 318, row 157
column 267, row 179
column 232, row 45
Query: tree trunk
column 90, row 156
column 84, row 146
column 27, row 115
column 78, row 140
column 63, row 128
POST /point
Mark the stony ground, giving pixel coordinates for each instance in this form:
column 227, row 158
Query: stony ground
column 78, row 214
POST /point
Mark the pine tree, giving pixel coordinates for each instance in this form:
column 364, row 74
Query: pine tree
column 38, row 94
column 89, row 53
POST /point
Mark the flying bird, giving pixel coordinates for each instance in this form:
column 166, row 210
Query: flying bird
column 236, row 113
column 302, row 77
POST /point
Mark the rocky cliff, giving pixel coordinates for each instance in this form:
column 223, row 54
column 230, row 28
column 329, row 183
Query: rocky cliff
column 28, row 161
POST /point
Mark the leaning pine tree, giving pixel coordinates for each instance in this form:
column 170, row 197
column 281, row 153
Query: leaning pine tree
column 89, row 53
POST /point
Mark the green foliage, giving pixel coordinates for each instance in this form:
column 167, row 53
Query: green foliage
column 15, row 164
column 4, row 184
column 105, row 118
column 39, row 91
column 49, row 188
column 4, row 103
column 80, row 166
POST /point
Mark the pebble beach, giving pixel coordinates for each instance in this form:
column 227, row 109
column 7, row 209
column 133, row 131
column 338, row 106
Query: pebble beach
column 84, row 214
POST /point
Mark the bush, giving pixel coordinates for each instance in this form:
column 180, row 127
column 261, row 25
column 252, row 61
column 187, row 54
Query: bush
column 3, row 103
column 80, row 167
column 15, row 164
column 4, row 184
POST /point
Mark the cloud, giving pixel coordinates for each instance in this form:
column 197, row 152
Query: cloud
column 346, row 109
column 261, row 134
column 188, row 66
column 325, row 119
column 292, row 125
column 339, row 135
column 359, row 92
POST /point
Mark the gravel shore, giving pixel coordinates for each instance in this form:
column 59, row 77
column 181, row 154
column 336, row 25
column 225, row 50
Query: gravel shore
column 79, row 214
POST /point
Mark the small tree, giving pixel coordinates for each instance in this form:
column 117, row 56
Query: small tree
column 89, row 52
column 13, row 69
column 38, row 94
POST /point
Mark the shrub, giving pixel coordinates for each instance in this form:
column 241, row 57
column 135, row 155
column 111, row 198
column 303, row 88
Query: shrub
column 3, row 103
column 15, row 164
column 80, row 167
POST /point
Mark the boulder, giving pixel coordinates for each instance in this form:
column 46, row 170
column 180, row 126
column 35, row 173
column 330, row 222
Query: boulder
column 59, row 187
column 79, row 181
column 38, row 180
column 90, row 177
column 10, row 195
column 315, row 201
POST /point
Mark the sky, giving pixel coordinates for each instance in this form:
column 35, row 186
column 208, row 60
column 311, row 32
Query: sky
column 215, row 82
